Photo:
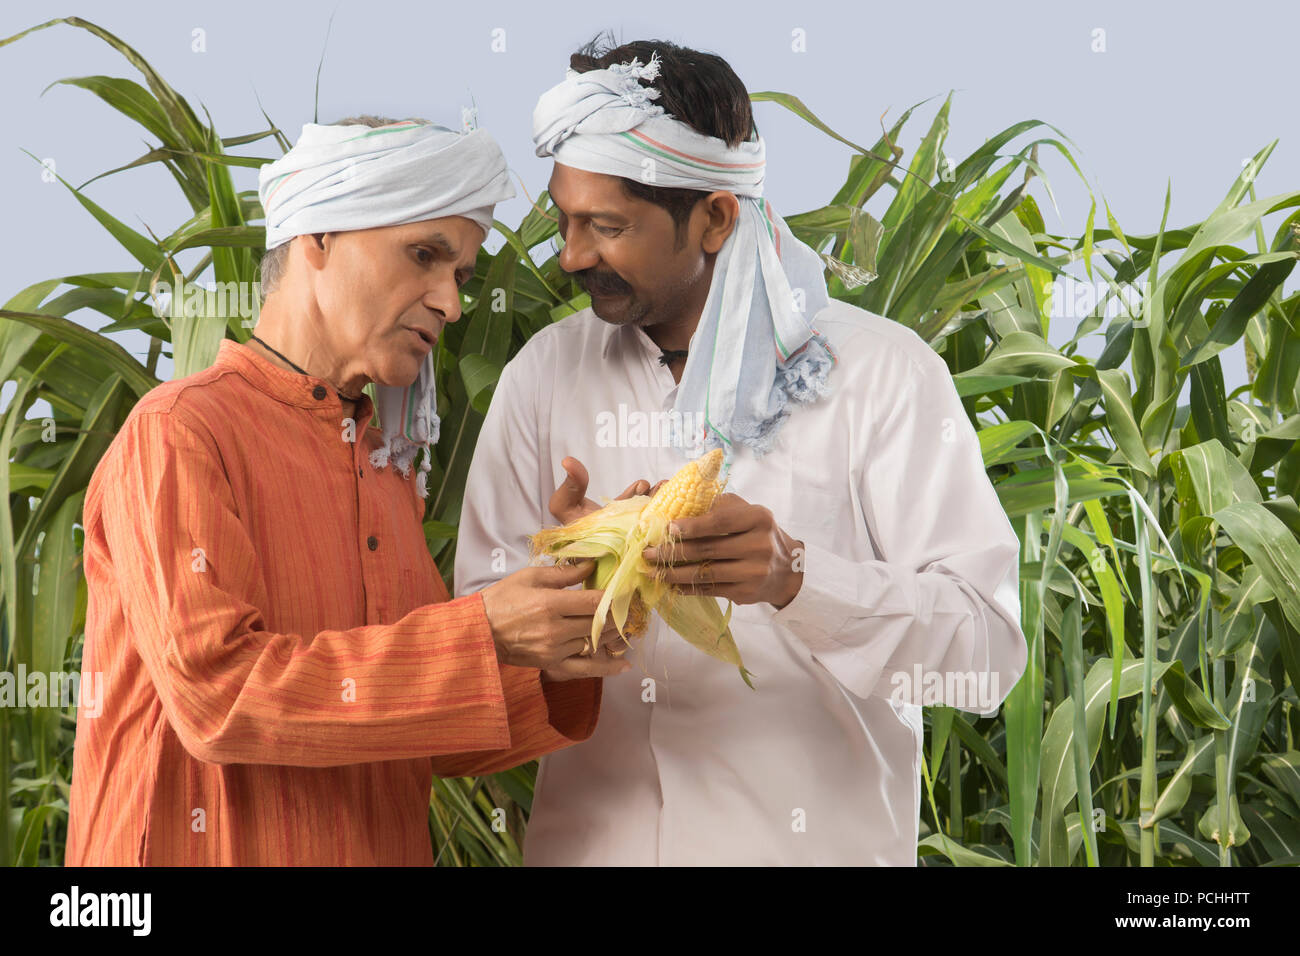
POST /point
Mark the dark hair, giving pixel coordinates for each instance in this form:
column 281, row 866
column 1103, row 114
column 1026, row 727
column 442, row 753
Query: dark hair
column 699, row 89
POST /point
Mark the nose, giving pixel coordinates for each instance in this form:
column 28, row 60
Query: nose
column 578, row 253
column 444, row 297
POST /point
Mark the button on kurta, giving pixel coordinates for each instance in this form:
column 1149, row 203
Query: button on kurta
column 318, row 392
column 372, row 542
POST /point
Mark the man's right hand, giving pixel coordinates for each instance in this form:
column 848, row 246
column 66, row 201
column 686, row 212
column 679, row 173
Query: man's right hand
column 569, row 503
column 537, row 623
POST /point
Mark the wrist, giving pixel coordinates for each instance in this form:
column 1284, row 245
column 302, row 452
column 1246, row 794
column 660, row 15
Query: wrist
column 794, row 574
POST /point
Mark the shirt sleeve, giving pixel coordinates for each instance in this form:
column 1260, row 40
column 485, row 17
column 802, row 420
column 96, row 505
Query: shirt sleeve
column 545, row 716
column 502, row 505
column 235, row 692
column 936, row 619
column 500, row 509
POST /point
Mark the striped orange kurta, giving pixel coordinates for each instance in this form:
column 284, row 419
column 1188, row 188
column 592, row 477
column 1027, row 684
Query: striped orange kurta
column 283, row 671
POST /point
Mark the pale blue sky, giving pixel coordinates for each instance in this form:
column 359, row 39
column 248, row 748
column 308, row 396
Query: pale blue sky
column 1183, row 93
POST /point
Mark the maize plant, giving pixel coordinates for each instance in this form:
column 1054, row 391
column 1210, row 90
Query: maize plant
column 617, row 534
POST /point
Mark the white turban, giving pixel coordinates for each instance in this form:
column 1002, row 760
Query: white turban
column 340, row 178
column 754, row 349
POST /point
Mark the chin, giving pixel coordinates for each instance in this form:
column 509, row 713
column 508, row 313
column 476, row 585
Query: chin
column 623, row 311
column 401, row 374
column 410, row 378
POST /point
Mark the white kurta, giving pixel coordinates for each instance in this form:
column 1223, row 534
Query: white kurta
column 910, row 572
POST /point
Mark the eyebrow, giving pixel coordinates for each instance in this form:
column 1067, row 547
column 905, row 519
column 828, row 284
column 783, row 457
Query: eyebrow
column 441, row 243
column 598, row 214
column 439, row 240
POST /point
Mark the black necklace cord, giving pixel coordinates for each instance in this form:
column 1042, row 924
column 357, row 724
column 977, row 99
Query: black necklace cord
column 298, row 368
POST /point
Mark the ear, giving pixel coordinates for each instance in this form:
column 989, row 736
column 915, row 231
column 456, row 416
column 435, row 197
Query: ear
column 721, row 210
column 313, row 247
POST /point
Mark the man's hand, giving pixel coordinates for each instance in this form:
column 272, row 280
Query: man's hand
column 569, row 503
column 736, row 551
column 537, row 623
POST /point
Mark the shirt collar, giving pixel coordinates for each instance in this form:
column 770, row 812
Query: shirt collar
column 293, row 388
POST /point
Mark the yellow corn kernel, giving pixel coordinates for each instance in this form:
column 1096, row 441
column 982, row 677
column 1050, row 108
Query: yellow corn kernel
column 689, row 493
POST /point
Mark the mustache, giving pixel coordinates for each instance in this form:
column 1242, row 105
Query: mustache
column 602, row 283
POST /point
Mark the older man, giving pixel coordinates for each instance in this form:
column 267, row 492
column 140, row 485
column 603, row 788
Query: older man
column 863, row 544
column 285, row 669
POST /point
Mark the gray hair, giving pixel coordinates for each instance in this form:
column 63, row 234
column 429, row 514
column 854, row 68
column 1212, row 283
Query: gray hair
column 275, row 261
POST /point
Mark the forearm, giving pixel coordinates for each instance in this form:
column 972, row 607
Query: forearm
column 917, row 636
column 426, row 684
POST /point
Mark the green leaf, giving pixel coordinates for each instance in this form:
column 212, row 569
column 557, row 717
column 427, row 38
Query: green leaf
column 1278, row 833
column 1022, row 353
column 796, row 106
column 480, row 376
column 127, row 97
column 141, row 248
column 958, row 854
column 1191, row 701
column 1271, row 547
column 29, row 834
column 1035, row 489
column 98, row 427
column 998, row 443
column 969, row 384
column 1284, row 770
column 1199, row 760
column 1232, row 322
column 79, row 337
column 1119, row 419
column 52, row 615
column 1107, row 582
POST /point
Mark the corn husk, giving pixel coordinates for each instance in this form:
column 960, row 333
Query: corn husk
column 615, row 536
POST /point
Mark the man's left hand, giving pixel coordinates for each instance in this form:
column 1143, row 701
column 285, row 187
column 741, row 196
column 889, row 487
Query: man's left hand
column 736, row 551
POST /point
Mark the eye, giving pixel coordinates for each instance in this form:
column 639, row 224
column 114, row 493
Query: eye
column 423, row 255
column 607, row 230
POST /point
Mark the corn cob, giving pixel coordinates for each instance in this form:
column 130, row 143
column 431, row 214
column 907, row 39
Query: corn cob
column 688, row 494
column 617, row 534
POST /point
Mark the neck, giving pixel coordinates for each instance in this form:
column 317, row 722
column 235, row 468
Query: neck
column 301, row 344
column 674, row 333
